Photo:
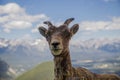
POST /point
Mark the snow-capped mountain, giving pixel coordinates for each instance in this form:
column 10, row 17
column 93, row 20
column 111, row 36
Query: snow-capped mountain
column 22, row 55
column 41, row 44
column 39, row 47
column 107, row 45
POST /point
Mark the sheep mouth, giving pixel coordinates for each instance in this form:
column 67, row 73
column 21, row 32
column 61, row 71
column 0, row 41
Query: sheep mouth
column 56, row 51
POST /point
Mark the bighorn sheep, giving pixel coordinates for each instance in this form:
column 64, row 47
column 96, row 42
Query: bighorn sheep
column 58, row 39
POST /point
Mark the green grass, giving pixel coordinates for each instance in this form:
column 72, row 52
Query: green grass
column 43, row 71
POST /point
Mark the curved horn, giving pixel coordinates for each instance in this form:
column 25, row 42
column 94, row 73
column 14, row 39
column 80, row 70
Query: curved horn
column 48, row 23
column 68, row 21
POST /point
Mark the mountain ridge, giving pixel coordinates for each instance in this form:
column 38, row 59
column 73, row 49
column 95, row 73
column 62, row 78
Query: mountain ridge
column 23, row 55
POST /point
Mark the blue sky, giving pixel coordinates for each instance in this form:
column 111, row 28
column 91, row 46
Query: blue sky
column 97, row 18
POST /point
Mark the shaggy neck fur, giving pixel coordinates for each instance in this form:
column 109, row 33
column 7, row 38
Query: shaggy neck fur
column 63, row 67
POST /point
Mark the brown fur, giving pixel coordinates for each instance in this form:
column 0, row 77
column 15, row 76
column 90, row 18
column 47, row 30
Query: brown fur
column 58, row 39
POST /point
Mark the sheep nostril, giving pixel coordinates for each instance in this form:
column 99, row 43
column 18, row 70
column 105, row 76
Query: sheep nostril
column 55, row 44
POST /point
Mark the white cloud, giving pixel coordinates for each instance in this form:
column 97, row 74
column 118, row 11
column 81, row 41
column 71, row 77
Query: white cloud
column 116, row 19
column 17, row 25
column 114, row 24
column 23, row 17
column 13, row 16
column 93, row 25
column 11, row 8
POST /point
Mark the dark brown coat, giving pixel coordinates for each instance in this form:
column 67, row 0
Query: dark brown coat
column 58, row 39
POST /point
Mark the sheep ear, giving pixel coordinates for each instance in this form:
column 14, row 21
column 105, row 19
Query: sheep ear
column 42, row 31
column 74, row 29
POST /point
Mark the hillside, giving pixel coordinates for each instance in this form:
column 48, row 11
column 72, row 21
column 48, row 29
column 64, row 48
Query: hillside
column 43, row 71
